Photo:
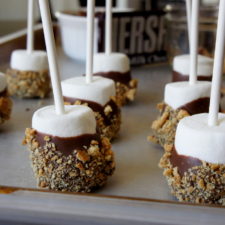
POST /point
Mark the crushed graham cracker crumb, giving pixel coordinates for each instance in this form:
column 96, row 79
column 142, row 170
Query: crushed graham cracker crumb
column 81, row 171
column 28, row 84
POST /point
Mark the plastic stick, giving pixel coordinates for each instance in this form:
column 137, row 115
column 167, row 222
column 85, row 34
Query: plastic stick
column 188, row 13
column 218, row 67
column 90, row 40
column 30, row 26
column 51, row 51
column 194, row 42
column 108, row 27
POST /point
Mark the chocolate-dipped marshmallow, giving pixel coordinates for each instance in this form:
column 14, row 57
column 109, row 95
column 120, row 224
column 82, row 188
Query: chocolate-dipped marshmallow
column 181, row 68
column 116, row 66
column 28, row 76
column 99, row 95
column 67, row 153
column 195, row 165
column 180, row 100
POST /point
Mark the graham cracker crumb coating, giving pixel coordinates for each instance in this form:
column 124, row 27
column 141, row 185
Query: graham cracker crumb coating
column 28, row 84
column 200, row 184
column 5, row 108
column 81, row 171
column 164, row 127
column 111, row 130
column 126, row 93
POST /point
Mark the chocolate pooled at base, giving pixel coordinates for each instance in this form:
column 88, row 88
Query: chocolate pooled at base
column 28, row 84
column 126, row 87
column 108, row 117
column 164, row 127
column 193, row 180
column 82, row 169
column 5, row 106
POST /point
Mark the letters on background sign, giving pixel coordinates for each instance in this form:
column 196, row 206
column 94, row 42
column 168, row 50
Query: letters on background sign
column 140, row 35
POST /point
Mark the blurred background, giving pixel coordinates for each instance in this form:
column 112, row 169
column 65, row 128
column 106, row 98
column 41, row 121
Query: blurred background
column 13, row 12
column 13, row 15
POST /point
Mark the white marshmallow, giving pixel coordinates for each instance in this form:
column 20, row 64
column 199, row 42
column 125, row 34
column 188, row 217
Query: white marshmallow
column 76, row 121
column 196, row 139
column 35, row 61
column 3, row 83
column 181, row 64
column 100, row 90
column 113, row 62
column 178, row 94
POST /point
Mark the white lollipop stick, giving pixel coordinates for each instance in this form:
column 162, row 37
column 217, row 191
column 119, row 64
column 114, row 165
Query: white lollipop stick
column 90, row 40
column 194, row 42
column 218, row 67
column 30, row 26
column 51, row 51
column 188, row 12
column 108, row 27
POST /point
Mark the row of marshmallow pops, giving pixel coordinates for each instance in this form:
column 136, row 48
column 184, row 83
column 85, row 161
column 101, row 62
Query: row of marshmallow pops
column 184, row 98
column 194, row 163
column 28, row 76
column 74, row 122
column 28, row 66
column 209, row 133
column 191, row 126
column 97, row 91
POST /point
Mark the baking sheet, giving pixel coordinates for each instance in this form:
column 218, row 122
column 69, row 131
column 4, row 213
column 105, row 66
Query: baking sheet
column 137, row 173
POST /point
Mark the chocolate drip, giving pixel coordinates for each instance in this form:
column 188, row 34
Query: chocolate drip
column 183, row 163
column 123, row 78
column 179, row 77
column 97, row 107
column 67, row 145
column 197, row 106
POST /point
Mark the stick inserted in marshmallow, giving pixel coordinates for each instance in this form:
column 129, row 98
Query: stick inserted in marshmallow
column 30, row 27
column 194, row 42
column 188, row 15
column 108, row 27
column 51, row 51
column 218, row 67
column 90, row 40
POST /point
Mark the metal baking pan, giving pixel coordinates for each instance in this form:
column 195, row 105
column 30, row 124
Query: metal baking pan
column 136, row 193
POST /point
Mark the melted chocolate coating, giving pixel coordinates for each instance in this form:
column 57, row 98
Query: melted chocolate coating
column 67, row 145
column 179, row 77
column 197, row 106
column 183, row 163
column 97, row 107
column 123, row 78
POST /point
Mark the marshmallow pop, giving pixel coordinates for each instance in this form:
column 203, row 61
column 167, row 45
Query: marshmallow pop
column 5, row 101
column 195, row 165
column 96, row 92
column 66, row 151
column 181, row 68
column 115, row 66
column 183, row 98
column 28, row 75
column 181, row 63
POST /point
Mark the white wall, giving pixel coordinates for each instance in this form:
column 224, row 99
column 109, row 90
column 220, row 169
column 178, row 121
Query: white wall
column 17, row 9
